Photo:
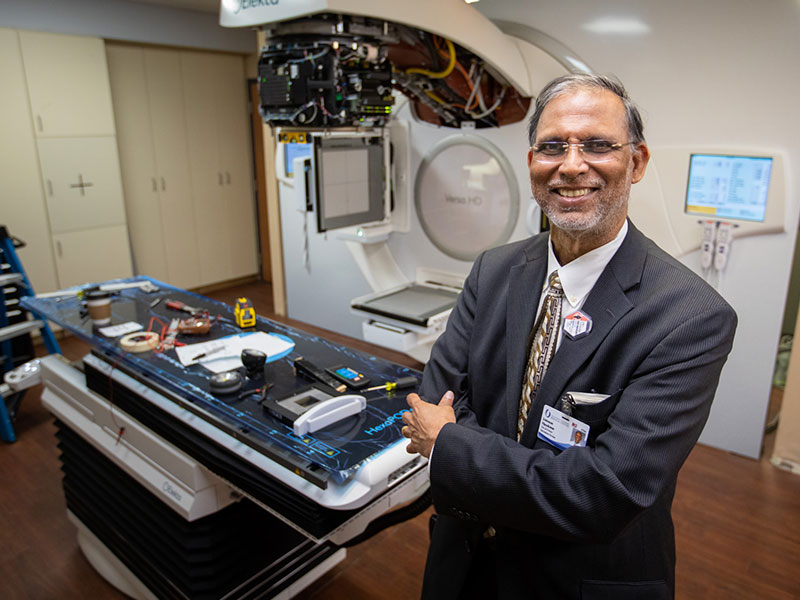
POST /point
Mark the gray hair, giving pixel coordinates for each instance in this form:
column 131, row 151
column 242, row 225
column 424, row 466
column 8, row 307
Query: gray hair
column 567, row 83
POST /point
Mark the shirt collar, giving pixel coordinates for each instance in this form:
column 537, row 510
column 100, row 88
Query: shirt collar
column 579, row 276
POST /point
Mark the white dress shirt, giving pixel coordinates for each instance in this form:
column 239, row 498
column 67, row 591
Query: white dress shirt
column 579, row 276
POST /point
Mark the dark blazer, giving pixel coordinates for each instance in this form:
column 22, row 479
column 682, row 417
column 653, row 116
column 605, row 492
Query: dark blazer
column 582, row 523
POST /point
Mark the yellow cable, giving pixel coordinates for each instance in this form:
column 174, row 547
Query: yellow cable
column 439, row 100
column 441, row 74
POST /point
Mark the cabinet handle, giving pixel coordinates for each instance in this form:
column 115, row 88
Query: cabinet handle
column 219, row 175
column 40, row 123
column 227, row 177
column 58, row 246
column 155, row 185
column 50, row 187
column 163, row 185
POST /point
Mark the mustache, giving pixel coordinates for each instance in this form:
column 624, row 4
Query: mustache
column 575, row 184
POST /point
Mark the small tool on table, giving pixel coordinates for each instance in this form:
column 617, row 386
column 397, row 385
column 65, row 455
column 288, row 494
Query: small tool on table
column 403, row 382
column 262, row 392
column 244, row 313
column 178, row 305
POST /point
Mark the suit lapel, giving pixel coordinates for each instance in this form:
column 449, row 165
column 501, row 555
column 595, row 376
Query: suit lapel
column 606, row 305
column 525, row 287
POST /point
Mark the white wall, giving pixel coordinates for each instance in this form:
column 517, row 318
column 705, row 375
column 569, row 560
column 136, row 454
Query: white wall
column 722, row 73
column 129, row 21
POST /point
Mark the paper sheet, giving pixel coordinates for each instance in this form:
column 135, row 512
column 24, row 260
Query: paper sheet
column 224, row 354
column 122, row 329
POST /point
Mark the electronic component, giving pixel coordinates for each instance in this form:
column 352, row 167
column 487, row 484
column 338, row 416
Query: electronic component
column 330, row 70
column 311, row 371
column 244, row 313
column 169, row 340
column 322, row 82
column 350, row 377
column 194, row 326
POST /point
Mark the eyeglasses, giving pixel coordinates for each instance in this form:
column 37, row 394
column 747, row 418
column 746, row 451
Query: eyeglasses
column 592, row 151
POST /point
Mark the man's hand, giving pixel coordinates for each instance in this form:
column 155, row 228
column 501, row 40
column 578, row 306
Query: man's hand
column 425, row 421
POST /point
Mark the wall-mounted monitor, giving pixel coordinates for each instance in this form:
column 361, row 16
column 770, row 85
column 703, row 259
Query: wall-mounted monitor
column 725, row 187
column 686, row 185
column 349, row 176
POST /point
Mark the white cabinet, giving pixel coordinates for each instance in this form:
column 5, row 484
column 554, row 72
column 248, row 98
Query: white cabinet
column 22, row 207
column 67, row 84
column 165, row 100
column 182, row 123
column 234, row 135
column 82, row 182
column 103, row 252
column 148, row 104
column 60, row 184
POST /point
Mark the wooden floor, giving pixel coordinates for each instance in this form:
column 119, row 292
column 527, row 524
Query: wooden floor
column 737, row 521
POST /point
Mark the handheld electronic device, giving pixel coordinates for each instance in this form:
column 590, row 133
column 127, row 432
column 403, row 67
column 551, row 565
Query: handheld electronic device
column 350, row 377
column 311, row 371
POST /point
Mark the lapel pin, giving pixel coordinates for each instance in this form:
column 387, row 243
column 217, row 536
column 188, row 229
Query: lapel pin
column 577, row 324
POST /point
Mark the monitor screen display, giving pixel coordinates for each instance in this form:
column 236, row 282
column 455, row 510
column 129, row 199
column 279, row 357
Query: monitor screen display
column 728, row 187
column 294, row 150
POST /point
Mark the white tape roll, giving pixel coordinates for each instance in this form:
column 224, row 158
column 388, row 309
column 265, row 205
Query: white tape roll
column 139, row 341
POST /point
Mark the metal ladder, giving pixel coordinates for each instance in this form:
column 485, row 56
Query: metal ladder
column 14, row 322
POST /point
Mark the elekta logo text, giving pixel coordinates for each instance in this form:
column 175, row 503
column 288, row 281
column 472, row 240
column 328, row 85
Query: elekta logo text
column 247, row 4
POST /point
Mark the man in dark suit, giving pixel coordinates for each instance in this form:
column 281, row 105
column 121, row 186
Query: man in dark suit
column 632, row 361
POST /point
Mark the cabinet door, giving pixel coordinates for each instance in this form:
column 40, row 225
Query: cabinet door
column 82, row 181
column 92, row 255
column 168, row 120
column 233, row 132
column 212, row 212
column 128, row 78
column 22, row 205
column 68, row 84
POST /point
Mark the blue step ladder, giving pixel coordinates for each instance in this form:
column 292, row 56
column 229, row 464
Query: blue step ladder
column 14, row 322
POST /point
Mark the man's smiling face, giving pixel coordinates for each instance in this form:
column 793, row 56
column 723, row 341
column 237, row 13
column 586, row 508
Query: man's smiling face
column 579, row 196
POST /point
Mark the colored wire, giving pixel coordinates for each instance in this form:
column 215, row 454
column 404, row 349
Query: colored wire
column 441, row 74
column 458, row 66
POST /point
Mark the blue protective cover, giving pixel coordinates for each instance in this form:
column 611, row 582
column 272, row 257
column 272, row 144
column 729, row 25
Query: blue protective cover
column 339, row 449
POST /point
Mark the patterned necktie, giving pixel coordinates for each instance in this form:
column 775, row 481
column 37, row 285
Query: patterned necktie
column 542, row 348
